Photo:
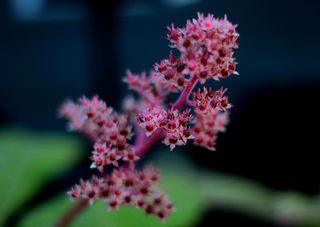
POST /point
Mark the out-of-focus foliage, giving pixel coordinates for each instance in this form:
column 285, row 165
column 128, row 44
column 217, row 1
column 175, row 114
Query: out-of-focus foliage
column 29, row 160
column 194, row 191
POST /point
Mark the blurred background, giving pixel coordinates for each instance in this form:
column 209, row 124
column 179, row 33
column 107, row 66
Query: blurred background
column 52, row 49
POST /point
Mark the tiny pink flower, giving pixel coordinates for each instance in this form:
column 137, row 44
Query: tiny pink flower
column 131, row 79
column 141, row 203
column 99, row 162
column 130, row 155
column 172, row 140
column 113, row 204
column 162, row 214
column 100, row 148
column 113, row 157
column 74, row 193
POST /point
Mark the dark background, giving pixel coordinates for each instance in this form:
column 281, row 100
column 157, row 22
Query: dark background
column 50, row 50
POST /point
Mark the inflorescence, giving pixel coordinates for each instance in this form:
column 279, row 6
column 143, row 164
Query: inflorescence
column 206, row 46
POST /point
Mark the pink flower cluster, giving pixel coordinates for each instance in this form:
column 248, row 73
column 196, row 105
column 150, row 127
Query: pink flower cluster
column 108, row 129
column 210, row 100
column 207, row 127
column 174, row 123
column 129, row 188
column 206, row 47
column 206, row 51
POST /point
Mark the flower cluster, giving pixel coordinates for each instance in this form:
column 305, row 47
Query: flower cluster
column 174, row 123
column 206, row 47
column 108, row 129
column 129, row 188
column 209, row 100
column 172, row 72
column 105, row 154
column 207, row 127
column 92, row 117
column 206, row 51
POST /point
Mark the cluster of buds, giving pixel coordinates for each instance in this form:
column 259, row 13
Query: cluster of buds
column 103, row 155
column 206, row 51
column 94, row 119
column 210, row 100
column 129, row 188
column 108, row 129
column 207, row 127
column 174, row 123
column 172, row 72
column 206, row 47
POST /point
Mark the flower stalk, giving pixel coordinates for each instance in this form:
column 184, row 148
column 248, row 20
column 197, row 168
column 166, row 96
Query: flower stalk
column 68, row 217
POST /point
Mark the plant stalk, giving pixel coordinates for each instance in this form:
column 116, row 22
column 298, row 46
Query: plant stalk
column 71, row 214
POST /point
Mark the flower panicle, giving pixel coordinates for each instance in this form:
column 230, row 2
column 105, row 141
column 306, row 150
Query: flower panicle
column 129, row 188
column 206, row 47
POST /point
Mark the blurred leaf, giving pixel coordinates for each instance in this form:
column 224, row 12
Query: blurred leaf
column 28, row 160
column 193, row 190
column 291, row 208
column 237, row 194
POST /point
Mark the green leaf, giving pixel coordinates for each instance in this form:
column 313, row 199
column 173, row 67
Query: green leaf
column 30, row 159
column 237, row 194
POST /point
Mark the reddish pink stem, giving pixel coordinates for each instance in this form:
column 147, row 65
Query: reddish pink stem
column 185, row 94
column 189, row 103
column 140, row 135
column 144, row 147
column 72, row 213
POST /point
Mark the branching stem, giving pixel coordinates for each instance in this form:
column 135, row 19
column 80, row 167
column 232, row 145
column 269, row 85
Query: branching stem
column 185, row 94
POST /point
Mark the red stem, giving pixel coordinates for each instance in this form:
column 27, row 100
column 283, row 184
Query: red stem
column 185, row 94
column 72, row 213
column 140, row 135
column 144, row 147
column 188, row 103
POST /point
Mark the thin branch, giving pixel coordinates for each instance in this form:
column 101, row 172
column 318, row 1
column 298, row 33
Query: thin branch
column 188, row 103
column 186, row 92
column 71, row 214
column 150, row 141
